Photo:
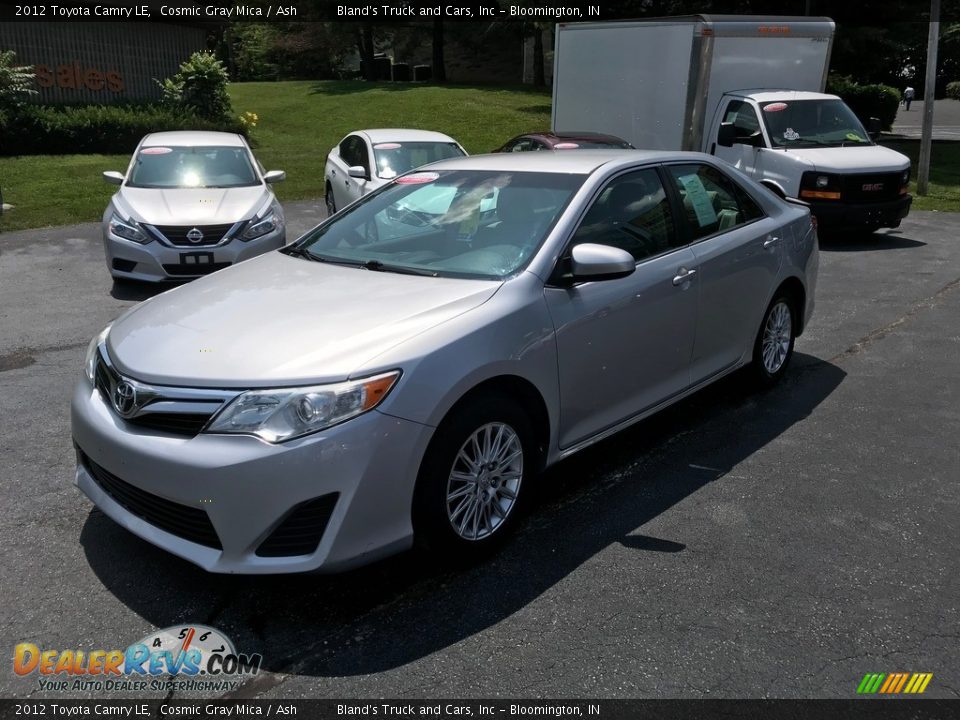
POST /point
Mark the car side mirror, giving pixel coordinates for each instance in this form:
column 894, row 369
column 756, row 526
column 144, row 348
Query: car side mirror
column 274, row 176
column 874, row 128
column 113, row 177
column 358, row 171
column 600, row 262
column 727, row 134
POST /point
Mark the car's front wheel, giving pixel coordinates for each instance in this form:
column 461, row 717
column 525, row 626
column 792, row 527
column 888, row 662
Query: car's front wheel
column 474, row 477
column 328, row 198
column 774, row 344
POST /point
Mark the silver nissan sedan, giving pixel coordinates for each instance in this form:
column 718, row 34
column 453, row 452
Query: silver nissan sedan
column 190, row 203
column 407, row 367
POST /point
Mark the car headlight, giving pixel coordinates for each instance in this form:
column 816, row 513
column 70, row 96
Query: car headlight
column 278, row 415
column 822, row 181
column 128, row 230
column 905, row 177
column 259, row 228
column 90, row 361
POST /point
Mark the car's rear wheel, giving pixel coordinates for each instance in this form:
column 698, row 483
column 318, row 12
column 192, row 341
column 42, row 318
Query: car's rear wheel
column 473, row 478
column 328, row 198
column 773, row 348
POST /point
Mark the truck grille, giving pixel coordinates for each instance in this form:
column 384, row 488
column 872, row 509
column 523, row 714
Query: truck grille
column 185, row 522
column 869, row 188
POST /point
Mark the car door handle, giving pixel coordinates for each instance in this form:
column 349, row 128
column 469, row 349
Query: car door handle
column 683, row 275
column 770, row 242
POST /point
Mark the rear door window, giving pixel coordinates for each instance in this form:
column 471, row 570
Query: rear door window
column 711, row 202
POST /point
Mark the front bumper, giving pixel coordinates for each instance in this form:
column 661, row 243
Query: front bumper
column 247, row 487
column 133, row 261
column 835, row 215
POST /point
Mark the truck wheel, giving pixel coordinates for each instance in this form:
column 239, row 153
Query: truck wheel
column 773, row 348
column 473, row 478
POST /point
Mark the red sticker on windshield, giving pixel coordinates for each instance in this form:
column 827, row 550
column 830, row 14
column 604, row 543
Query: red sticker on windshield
column 155, row 151
column 417, row 178
column 386, row 146
column 775, row 107
column 565, row 146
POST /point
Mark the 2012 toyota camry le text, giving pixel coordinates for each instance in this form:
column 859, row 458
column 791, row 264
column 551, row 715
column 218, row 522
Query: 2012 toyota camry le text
column 404, row 370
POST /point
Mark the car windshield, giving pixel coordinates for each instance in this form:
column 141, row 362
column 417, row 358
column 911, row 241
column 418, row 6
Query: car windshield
column 192, row 167
column 810, row 123
column 396, row 158
column 455, row 223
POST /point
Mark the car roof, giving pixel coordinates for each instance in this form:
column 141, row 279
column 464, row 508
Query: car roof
column 785, row 95
column 379, row 135
column 192, row 138
column 575, row 135
column 582, row 162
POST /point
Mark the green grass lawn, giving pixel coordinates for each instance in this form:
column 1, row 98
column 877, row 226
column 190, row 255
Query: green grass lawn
column 298, row 124
column 944, row 188
column 300, row 121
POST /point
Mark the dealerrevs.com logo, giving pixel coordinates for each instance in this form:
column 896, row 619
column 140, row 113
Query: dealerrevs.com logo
column 182, row 657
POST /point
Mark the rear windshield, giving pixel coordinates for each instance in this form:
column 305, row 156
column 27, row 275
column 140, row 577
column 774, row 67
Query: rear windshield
column 192, row 167
column 396, row 158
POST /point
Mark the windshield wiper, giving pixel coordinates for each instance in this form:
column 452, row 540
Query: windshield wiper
column 378, row 266
column 301, row 252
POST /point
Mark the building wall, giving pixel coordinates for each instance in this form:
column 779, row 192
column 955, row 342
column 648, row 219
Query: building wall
column 105, row 62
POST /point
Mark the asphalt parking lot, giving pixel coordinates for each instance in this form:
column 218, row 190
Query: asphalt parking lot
column 776, row 545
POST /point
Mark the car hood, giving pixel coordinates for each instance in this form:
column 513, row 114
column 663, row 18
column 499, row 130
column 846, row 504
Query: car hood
column 850, row 159
column 191, row 206
column 277, row 320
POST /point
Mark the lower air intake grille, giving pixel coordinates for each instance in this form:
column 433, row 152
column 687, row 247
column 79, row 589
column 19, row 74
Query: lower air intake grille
column 301, row 531
column 183, row 521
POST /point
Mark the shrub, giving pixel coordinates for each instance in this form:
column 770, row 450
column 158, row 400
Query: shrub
column 953, row 90
column 199, row 87
column 44, row 130
column 16, row 81
column 867, row 101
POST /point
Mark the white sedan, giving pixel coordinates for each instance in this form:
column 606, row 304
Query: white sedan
column 368, row 159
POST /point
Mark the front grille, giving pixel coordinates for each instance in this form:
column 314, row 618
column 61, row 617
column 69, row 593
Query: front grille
column 189, row 269
column 177, row 235
column 852, row 187
column 301, row 531
column 177, row 423
column 183, row 521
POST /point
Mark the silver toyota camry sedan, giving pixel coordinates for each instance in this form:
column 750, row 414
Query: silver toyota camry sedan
column 190, row 203
column 406, row 368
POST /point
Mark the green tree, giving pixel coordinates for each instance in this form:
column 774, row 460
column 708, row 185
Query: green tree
column 16, row 81
column 200, row 87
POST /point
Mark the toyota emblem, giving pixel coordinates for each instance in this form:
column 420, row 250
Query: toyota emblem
column 125, row 398
column 194, row 235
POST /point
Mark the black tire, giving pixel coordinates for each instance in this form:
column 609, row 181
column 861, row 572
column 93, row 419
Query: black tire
column 767, row 369
column 433, row 510
column 328, row 199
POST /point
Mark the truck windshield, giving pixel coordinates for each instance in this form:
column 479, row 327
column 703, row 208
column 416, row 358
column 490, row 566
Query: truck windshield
column 811, row 123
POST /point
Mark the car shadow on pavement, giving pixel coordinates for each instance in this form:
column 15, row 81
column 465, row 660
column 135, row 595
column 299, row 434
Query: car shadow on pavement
column 404, row 608
column 137, row 291
column 880, row 240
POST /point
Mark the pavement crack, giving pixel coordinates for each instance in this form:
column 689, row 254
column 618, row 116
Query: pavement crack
column 870, row 338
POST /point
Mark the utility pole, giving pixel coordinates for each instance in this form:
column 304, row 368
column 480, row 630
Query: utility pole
column 929, row 88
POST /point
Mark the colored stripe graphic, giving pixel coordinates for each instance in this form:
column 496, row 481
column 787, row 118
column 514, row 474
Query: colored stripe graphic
column 894, row 683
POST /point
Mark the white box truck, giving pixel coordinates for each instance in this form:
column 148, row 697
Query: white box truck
column 746, row 89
